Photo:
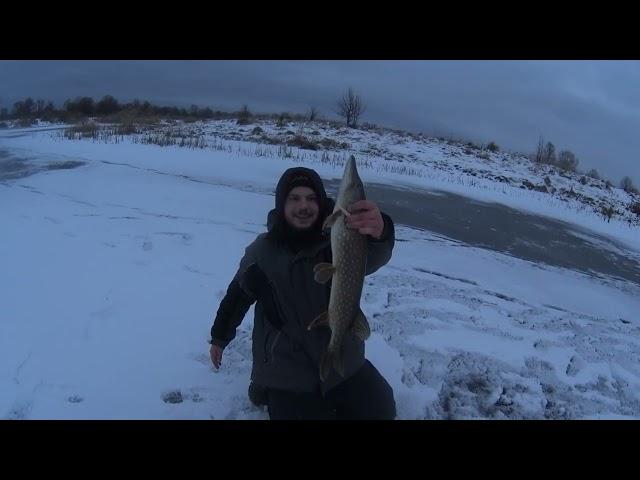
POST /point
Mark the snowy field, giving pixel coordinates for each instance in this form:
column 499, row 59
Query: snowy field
column 112, row 273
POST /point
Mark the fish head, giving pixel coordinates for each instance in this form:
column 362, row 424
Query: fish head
column 351, row 187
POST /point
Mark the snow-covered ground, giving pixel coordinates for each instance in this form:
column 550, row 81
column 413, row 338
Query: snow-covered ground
column 112, row 273
column 413, row 160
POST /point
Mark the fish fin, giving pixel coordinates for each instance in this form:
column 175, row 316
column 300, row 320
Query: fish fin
column 323, row 275
column 346, row 213
column 331, row 219
column 360, row 327
column 325, row 365
column 321, row 320
column 332, row 359
column 321, row 266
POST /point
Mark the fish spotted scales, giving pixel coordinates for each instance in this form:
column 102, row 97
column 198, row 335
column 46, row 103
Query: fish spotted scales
column 347, row 272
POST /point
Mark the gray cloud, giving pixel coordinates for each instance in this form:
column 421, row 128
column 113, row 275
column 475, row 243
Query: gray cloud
column 589, row 107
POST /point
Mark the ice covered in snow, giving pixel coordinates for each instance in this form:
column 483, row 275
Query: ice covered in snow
column 115, row 256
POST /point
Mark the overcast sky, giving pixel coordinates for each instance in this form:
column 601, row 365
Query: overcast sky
column 589, row 107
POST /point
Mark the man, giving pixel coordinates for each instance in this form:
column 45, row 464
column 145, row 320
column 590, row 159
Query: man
column 276, row 272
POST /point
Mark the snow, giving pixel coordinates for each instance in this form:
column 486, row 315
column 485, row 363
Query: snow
column 112, row 273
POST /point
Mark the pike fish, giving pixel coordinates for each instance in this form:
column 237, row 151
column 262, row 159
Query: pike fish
column 347, row 272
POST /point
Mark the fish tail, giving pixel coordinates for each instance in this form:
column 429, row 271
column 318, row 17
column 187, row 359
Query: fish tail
column 331, row 359
column 326, row 362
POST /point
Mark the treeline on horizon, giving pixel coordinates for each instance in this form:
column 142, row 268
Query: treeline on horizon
column 109, row 108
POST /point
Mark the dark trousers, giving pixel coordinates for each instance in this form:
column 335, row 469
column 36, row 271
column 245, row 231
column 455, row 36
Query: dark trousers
column 365, row 396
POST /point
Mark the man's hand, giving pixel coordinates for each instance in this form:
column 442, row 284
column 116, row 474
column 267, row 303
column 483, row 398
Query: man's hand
column 216, row 356
column 366, row 218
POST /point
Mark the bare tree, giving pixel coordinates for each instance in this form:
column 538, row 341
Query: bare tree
column 627, row 185
column 313, row 113
column 567, row 161
column 40, row 106
column 107, row 105
column 607, row 212
column 350, row 107
column 549, row 154
column 49, row 110
column 244, row 116
column 493, row 147
column 283, row 118
column 539, row 155
column 24, row 108
column 593, row 173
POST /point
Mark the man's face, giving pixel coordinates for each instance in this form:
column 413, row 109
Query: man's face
column 301, row 208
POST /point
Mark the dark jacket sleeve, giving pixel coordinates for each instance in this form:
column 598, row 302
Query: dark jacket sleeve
column 234, row 305
column 379, row 251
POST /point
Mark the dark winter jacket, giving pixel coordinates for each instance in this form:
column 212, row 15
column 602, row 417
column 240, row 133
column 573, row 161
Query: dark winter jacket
column 285, row 354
